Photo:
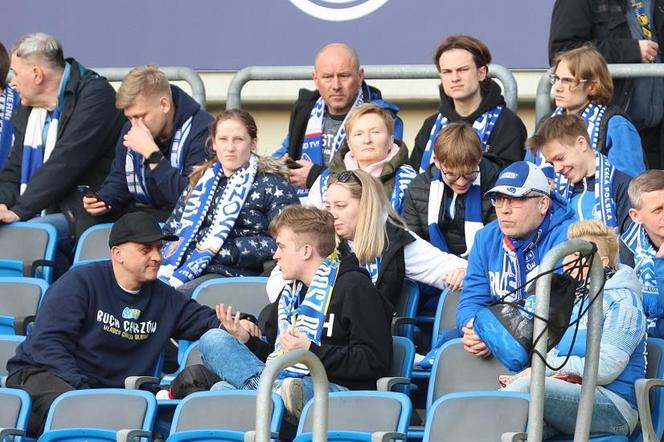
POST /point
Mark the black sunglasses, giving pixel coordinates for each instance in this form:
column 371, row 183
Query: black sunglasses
column 345, row 176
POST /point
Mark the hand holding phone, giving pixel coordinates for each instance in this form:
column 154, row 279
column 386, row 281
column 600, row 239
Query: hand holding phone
column 85, row 190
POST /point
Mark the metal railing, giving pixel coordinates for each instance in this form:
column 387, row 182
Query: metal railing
column 385, row 72
column 264, row 398
column 537, row 379
column 543, row 106
column 173, row 73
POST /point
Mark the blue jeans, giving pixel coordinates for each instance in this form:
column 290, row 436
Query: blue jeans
column 561, row 402
column 239, row 368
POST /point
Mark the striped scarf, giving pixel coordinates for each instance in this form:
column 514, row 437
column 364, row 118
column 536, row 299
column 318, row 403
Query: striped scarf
column 9, row 99
column 36, row 148
column 307, row 317
column 472, row 212
column 179, row 266
column 603, row 207
column 135, row 170
column 483, row 125
column 637, row 241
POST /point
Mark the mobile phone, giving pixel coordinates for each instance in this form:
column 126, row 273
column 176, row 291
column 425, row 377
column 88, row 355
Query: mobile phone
column 292, row 164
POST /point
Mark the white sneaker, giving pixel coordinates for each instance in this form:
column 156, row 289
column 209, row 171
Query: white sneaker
column 292, row 393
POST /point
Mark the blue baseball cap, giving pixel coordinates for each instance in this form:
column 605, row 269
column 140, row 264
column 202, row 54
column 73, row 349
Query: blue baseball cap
column 519, row 179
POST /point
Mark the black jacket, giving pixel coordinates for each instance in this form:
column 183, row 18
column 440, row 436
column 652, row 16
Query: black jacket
column 506, row 142
column 300, row 117
column 358, row 349
column 416, row 206
column 87, row 131
column 601, row 23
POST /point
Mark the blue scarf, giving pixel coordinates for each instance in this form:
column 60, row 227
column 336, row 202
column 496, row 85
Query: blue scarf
column 178, row 266
column 637, row 241
column 520, row 260
column 472, row 212
column 307, row 317
column 9, row 100
column 483, row 125
column 135, row 170
column 603, row 207
column 592, row 115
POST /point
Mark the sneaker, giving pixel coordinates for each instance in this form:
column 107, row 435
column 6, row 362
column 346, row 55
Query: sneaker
column 292, row 393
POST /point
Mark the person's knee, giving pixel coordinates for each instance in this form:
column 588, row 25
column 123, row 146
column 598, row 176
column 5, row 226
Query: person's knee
column 213, row 339
column 521, row 385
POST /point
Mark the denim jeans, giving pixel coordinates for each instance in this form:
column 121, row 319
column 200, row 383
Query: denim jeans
column 233, row 362
column 561, row 402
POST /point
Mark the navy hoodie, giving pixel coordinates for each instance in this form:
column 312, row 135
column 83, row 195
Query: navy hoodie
column 165, row 183
column 93, row 334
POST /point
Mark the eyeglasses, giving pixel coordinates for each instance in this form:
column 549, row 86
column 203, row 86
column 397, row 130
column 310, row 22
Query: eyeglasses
column 499, row 200
column 453, row 177
column 345, row 176
column 566, row 81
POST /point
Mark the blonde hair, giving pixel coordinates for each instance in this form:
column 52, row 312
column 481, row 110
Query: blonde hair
column 311, row 225
column 649, row 181
column 585, row 63
column 602, row 235
column 146, row 80
column 369, row 108
column 458, row 147
column 370, row 238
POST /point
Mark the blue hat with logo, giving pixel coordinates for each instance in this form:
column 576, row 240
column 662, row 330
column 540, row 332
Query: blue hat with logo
column 519, row 179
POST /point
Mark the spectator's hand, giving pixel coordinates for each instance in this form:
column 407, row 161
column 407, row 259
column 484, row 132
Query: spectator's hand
column 232, row 323
column 292, row 340
column 660, row 252
column 251, row 328
column 94, row 206
column 298, row 177
column 472, row 343
column 7, row 216
column 3, row 207
column 139, row 139
column 648, row 50
column 505, row 380
column 454, row 278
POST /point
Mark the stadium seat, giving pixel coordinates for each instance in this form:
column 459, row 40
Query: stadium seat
column 93, row 245
column 494, row 412
column 220, row 415
column 8, row 344
column 20, row 298
column 360, row 415
column 405, row 310
column 27, row 249
column 106, row 414
column 14, row 412
column 401, row 367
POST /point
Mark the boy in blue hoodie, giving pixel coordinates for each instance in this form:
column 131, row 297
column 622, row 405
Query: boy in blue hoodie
column 507, row 252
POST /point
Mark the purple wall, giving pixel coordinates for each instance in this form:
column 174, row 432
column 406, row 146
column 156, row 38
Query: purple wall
column 231, row 34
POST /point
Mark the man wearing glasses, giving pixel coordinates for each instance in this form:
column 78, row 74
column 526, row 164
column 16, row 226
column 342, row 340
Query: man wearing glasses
column 507, row 252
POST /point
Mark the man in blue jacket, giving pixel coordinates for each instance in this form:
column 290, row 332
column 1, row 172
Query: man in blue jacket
column 316, row 129
column 105, row 321
column 157, row 148
column 507, row 252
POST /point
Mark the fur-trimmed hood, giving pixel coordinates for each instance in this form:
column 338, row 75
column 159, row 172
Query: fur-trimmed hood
column 272, row 165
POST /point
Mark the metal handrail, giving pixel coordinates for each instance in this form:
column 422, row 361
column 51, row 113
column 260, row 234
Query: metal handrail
column 173, row 73
column 540, row 330
column 264, row 398
column 389, row 72
column 543, row 106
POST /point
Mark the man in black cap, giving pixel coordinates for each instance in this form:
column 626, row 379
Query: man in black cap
column 105, row 321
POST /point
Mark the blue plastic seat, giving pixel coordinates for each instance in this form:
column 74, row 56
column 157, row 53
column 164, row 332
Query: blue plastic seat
column 27, row 249
column 20, row 298
column 14, row 412
column 92, row 246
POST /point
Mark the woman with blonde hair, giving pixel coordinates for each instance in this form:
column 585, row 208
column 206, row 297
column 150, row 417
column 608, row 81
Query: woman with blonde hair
column 222, row 219
column 370, row 146
column 368, row 226
column 582, row 85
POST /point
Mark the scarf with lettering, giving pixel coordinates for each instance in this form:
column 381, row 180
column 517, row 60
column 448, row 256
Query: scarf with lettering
column 308, row 316
column 9, row 99
column 483, row 125
column 178, row 266
column 637, row 241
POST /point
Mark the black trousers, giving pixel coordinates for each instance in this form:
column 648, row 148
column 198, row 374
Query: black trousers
column 44, row 388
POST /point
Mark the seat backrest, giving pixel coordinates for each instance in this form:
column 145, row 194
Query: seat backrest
column 476, row 417
column 403, row 353
column 28, row 242
column 93, row 244
column 224, row 410
column 245, row 294
column 655, row 370
column 456, row 370
column 105, row 408
column 8, row 344
column 14, row 408
column 365, row 411
column 407, row 303
column 193, row 355
column 20, row 297
column 446, row 312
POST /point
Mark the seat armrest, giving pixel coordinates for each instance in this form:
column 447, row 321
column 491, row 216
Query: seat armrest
column 513, row 436
column 130, row 435
column 643, row 387
column 136, row 382
column 388, row 382
column 6, row 432
column 399, row 321
column 384, row 436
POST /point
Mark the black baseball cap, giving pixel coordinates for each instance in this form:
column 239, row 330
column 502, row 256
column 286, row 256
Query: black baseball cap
column 137, row 227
